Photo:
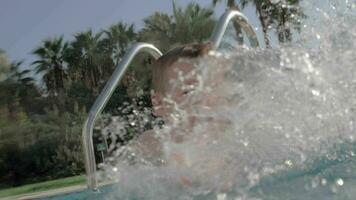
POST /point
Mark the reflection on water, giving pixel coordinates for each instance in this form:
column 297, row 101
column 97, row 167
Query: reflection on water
column 259, row 124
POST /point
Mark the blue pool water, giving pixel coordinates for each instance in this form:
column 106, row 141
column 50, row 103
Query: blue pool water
column 338, row 183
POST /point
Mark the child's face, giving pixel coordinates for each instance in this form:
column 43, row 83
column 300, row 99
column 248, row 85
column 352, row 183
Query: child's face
column 163, row 102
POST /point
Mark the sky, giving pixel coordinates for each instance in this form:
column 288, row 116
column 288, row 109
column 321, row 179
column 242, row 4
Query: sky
column 25, row 23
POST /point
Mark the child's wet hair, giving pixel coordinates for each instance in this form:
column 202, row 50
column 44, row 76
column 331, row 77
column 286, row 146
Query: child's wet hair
column 194, row 50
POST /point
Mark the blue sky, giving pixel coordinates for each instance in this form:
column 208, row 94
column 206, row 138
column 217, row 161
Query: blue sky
column 25, row 23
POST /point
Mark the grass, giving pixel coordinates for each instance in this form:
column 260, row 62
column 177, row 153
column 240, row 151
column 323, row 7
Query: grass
column 44, row 186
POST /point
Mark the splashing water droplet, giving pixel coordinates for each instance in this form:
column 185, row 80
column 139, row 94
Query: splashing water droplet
column 289, row 163
column 115, row 169
column 221, row 196
column 339, row 182
column 318, row 36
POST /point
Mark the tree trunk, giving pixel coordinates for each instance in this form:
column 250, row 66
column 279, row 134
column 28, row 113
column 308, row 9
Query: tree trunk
column 58, row 73
column 264, row 23
column 284, row 32
column 287, row 31
column 59, row 85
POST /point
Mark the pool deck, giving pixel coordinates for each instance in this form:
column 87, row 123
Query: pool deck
column 55, row 192
column 38, row 195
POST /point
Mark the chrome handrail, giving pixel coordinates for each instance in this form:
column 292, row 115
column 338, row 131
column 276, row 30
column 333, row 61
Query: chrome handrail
column 101, row 101
column 224, row 20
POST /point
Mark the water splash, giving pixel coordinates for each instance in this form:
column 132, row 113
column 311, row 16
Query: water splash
column 262, row 124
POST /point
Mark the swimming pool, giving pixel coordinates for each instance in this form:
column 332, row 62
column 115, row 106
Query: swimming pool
column 322, row 178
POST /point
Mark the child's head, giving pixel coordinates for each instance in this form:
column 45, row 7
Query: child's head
column 166, row 70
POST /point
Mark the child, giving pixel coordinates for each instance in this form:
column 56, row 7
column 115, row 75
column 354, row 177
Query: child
column 177, row 63
column 165, row 71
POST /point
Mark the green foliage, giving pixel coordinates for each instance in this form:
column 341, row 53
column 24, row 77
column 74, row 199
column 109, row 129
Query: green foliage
column 47, row 147
column 117, row 38
column 43, row 131
column 191, row 24
column 18, row 91
column 88, row 61
column 50, row 64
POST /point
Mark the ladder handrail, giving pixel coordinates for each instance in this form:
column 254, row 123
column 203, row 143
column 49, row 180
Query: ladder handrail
column 224, row 20
column 101, row 101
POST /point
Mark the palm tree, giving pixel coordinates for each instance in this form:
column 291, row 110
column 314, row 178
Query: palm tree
column 88, row 61
column 92, row 57
column 262, row 10
column 117, row 39
column 285, row 17
column 191, row 24
column 279, row 14
column 18, row 88
column 51, row 64
column 18, row 76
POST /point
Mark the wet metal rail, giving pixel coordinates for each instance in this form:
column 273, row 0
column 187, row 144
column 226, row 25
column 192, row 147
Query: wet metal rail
column 106, row 93
column 101, row 101
column 224, row 20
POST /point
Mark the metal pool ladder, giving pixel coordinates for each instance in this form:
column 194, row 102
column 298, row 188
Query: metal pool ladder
column 106, row 93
